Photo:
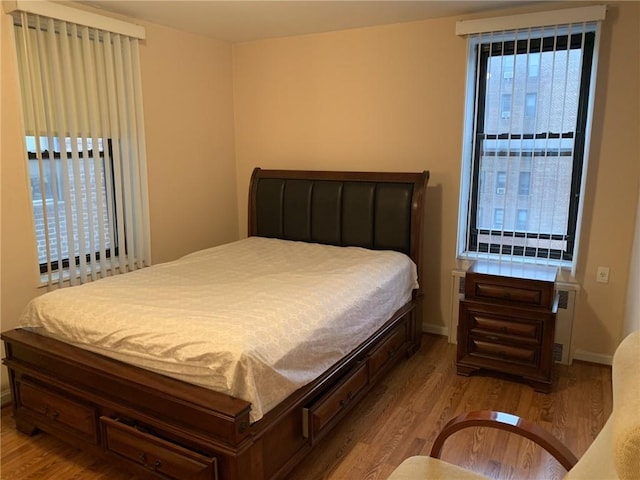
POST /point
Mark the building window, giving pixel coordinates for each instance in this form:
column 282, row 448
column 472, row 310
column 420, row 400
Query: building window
column 524, row 183
column 498, row 218
column 530, row 101
column 501, row 183
column 549, row 147
column 505, row 105
column 522, row 219
column 507, row 67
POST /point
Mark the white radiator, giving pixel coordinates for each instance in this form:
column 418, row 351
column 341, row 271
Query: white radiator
column 564, row 317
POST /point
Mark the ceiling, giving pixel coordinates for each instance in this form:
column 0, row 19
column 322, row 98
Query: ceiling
column 244, row 20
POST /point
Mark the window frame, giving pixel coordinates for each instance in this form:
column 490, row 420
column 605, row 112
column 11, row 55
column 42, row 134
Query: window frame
column 469, row 243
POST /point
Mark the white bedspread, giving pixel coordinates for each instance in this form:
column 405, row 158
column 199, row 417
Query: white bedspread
column 256, row 319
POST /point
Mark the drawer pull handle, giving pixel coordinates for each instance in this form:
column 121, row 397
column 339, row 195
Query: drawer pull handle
column 157, row 465
column 142, row 457
column 492, row 337
column 55, row 415
column 344, row 401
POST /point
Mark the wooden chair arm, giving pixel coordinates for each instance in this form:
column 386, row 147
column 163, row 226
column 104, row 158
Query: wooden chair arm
column 510, row 423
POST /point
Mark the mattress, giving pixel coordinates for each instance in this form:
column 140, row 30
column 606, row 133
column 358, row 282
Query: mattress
column 255, row 319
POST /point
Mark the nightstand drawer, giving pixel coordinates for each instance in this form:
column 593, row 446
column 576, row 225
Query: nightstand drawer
column 510, row 294
column 506, row 353
column 509, row 290
column 483, row 324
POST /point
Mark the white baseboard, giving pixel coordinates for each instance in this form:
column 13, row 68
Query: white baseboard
column 592, row 357
column 5, row 397
column 435, row 329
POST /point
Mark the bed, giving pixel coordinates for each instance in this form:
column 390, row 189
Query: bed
column 168, row 422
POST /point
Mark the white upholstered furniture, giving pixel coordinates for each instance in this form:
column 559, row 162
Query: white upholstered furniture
column 614, row 454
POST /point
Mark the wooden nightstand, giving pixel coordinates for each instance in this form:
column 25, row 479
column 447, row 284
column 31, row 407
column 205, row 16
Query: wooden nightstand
column 507, row 322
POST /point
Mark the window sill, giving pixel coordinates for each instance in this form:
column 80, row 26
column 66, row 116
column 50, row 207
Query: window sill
column 471, row 257
column 564, row 279
column 66, row 275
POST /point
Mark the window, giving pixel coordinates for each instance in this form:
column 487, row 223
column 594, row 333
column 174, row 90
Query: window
column 501, row 183
column 505, row 105
column 521, row 219
column 530, row 101
column 498, row 218
column 546, row 102
column 86, row 157
column 57, row 178
column 533, row 66
column 524, row 183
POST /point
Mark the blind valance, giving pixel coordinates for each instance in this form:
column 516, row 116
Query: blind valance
column 532, row 20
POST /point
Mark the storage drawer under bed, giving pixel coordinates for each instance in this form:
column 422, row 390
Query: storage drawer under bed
column 323, row 412
column 164, row 458
column 57, row 411
column 382, row 357
column 330, row 407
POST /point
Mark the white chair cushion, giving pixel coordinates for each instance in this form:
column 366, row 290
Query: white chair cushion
column 597, row 461
column 626, row 408
column 423, row 468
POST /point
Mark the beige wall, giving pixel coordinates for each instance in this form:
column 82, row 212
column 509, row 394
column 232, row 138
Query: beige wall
column 391, row 98
column 18, row 259
column 385, row 98
column 188, row 109
column 188, row 105
column 613, row 182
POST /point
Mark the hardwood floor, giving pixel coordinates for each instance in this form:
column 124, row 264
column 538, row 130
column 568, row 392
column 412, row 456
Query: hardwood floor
column 399, row 419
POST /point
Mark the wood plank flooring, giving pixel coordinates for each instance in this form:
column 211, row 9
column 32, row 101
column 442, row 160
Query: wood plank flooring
column 400, row 418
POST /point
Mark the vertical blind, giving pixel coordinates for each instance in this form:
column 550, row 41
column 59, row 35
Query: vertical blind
column 84, row 130
column 526, row 143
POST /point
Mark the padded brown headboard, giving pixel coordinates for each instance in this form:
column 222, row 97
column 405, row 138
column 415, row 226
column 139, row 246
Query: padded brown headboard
column 376, row 210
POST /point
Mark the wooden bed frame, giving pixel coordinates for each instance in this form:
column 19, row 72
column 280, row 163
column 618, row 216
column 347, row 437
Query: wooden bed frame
column 164, row 428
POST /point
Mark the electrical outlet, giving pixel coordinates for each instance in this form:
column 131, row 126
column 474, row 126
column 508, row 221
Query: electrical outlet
column 603, row 275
